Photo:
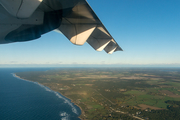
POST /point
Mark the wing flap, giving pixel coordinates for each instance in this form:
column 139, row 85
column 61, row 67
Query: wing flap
column 76, row 33
column 98, row 44
column 82, row 25
column 99, row 39
column 111, row 47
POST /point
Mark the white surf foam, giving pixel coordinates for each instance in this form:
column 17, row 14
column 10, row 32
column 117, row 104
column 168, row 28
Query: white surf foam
column 74, row 110
column 14, row 75
column 68, row 102
column 64, row 116
column 46, row 88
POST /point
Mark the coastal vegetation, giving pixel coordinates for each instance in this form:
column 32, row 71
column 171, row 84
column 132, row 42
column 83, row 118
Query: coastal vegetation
column 116, row 93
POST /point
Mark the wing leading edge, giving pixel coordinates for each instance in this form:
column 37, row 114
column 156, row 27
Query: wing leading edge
column 82, row 25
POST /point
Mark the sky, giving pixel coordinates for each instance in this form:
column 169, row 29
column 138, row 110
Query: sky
column 148, row 31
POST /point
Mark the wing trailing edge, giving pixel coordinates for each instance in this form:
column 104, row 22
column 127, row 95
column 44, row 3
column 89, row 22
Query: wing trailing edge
column 25, row 20
column 82, row 25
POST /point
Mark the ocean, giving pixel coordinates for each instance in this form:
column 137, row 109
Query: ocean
column 25, row 100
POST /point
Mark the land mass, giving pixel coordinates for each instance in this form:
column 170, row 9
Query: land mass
column 116, row 93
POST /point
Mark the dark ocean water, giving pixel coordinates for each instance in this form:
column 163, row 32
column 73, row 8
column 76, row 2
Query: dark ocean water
column 24, row 100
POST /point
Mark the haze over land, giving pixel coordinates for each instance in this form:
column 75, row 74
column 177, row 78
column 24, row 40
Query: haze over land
column 113, row 93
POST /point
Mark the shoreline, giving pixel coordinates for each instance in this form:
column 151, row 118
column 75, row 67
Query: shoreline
column 65, row 97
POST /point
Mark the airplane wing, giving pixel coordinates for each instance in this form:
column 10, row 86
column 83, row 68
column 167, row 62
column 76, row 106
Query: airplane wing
column 83, row 25
column 74, row 18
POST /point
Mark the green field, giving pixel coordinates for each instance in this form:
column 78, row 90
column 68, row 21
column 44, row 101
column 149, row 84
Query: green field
column 102, row 92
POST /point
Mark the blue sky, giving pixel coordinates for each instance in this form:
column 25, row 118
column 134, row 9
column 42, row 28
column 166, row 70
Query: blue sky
column 147, row 30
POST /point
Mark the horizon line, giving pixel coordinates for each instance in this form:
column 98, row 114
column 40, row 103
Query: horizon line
column 89, row 65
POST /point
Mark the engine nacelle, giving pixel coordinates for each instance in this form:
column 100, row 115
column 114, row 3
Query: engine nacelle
column 52, row 20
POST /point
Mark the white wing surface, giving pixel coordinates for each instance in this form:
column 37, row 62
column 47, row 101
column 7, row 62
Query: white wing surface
column 25, row 20
column 83, row 25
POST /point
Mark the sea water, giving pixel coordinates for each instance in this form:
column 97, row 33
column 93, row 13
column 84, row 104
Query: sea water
column 26, row 100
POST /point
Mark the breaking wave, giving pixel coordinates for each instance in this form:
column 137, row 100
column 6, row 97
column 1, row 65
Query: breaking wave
column 14, row 75
column 64, row 116
column 46, row 88
column 74, row 110
column 67, row 101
